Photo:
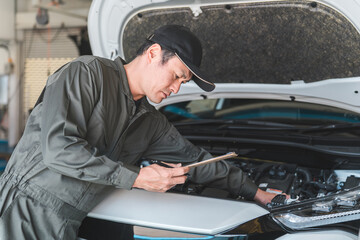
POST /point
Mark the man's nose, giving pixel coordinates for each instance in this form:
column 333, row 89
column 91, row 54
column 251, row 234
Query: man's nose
column 175, row 87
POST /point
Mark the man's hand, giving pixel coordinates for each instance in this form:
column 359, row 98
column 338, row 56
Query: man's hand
column 264, row 198
column 155, row 178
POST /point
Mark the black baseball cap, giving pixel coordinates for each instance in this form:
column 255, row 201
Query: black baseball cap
column 187, row 48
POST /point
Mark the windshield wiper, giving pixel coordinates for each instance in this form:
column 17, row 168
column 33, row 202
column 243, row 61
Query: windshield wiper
column 235, row 124
column 199, row 122
column 238, row 124
column 331, row 127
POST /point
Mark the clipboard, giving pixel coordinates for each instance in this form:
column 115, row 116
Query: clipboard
column 211, row 160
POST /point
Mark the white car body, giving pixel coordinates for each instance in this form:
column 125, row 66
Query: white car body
column 201, row 215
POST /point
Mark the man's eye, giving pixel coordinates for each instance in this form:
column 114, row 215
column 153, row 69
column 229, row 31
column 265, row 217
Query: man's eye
column 177, row 77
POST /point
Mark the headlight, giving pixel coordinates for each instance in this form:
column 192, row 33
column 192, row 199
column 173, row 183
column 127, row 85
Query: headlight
column 339, row 208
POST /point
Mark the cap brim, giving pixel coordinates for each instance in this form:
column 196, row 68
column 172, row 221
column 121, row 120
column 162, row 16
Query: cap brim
column 199, row 77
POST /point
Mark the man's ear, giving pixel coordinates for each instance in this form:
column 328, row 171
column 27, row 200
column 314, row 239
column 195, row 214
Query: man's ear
column 153, row 53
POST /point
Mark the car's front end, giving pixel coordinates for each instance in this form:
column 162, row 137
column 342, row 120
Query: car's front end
column 287, row 101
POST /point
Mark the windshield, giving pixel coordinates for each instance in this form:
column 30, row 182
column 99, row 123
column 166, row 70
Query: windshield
column 288, row 112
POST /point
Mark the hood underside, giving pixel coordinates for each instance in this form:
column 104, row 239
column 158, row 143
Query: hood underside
column 261, row 42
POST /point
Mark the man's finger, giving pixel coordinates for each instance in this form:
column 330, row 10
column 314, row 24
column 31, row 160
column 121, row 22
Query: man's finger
column 180, row 171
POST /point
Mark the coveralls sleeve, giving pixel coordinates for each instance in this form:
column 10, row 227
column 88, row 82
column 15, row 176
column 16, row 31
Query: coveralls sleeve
column 72, row 93
column 171, row 146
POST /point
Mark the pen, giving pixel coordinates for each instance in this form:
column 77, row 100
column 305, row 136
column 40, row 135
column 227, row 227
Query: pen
column 162, row 164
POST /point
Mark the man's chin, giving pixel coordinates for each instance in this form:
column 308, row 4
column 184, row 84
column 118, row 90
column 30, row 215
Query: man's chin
column 156, row 100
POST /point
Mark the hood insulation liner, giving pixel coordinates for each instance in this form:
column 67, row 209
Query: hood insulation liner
column 270, row 42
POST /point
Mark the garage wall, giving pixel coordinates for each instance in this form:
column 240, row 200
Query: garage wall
column 45, row 50
column 7, row 19
column 17, row 23
column 9, row 81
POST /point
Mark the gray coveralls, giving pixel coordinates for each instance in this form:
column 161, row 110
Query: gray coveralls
column 81, row 142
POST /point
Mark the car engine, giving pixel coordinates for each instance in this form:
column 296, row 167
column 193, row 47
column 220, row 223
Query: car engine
column 300, row 183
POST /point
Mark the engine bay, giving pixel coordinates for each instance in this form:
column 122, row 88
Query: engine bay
column 300, row 183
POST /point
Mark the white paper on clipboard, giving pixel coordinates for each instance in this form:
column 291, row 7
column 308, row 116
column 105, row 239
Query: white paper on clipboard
column 215, row 159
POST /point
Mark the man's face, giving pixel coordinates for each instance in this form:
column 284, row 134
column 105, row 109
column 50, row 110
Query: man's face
column 166, row 78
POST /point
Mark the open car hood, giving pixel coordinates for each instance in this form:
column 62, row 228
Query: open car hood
column 243, row 41
column 272, row 42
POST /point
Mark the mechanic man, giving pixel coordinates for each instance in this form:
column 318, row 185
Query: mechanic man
column 93, row 124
